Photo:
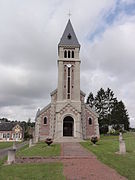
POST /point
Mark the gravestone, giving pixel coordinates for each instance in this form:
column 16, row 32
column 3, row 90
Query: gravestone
column 14, row 145
column 122, row 146
column 11, row 156
column 30, row 143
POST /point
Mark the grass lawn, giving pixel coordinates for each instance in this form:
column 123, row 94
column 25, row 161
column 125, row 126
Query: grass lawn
column 5, row 144
column 47, row 171
column 2, row 161
column 105, row 151
column 40, row 149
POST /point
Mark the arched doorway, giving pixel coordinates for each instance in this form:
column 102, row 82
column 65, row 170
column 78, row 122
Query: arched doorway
column 68, row 126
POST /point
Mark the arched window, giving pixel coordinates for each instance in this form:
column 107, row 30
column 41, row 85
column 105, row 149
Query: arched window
column 45, row 120
column 72, row 54
column 90, row 121
column 68, row 54
column 65, row 54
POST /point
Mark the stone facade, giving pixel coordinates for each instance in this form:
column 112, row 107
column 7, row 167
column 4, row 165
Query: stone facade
column 67, row 114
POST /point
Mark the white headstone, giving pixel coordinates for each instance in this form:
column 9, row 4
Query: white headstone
column 11, row 156
column 122, row 147
column 30, row 142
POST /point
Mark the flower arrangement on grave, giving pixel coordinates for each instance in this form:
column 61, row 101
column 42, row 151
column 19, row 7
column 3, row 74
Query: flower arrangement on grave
column 94, row 139
column 48, row 141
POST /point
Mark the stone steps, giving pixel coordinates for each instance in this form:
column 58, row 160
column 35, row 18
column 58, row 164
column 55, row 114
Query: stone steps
column 68, row 139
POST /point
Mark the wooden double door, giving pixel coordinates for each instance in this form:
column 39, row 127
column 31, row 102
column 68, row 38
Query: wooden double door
column 68, row 126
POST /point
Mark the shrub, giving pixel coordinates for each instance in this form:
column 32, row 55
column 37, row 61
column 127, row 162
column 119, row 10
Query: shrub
column 48, row 141
column 94, row 139
column 113, row 132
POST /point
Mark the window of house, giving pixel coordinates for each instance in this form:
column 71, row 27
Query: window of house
column 90, row 121
column 4, row 135
column 16, row 135
column 45, row 120
column 8, row 135
column 13, row 136
column 1, row 135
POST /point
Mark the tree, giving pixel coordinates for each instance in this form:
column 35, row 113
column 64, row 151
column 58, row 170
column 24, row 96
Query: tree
column 4, row 120
column 29, row 128
column 111, row 112
column 103, row 108
column 119, row 115
column 91, row 100
column 100, row 104
column 110, row 100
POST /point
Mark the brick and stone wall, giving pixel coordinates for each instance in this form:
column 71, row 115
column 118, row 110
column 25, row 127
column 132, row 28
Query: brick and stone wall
column 89, row 127
column 44, row 128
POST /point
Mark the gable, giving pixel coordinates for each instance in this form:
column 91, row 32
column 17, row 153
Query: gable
column 17, row 128
column 42, row 111
column 69, row 108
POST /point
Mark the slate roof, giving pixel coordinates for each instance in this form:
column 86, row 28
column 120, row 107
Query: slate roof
column 69, row 38
column 7, row 126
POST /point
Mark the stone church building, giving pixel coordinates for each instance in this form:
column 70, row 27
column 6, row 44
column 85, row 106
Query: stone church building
column 67, row 115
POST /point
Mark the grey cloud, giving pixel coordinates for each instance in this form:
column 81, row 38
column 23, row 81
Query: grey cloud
column 29, row 35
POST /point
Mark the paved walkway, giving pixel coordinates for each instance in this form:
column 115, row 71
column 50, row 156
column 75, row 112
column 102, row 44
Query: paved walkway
column 83, row 165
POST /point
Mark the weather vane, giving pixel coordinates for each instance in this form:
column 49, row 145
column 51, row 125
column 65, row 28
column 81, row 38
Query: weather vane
column 69, row 14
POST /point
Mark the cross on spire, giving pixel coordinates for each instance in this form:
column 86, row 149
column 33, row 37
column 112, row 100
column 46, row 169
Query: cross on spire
column 69, row 14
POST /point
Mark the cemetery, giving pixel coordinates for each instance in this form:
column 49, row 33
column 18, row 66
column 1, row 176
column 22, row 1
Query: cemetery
column 37, row 157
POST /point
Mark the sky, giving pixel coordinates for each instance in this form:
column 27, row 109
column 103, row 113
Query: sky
column 30, row 31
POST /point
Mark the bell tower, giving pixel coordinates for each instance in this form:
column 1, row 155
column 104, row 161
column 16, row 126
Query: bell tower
column 68, row 103
column 68, row 66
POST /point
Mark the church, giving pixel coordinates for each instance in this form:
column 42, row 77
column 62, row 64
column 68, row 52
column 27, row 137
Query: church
column 67, row 115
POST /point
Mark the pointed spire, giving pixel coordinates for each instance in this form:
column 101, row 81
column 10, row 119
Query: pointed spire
column 69, row 38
